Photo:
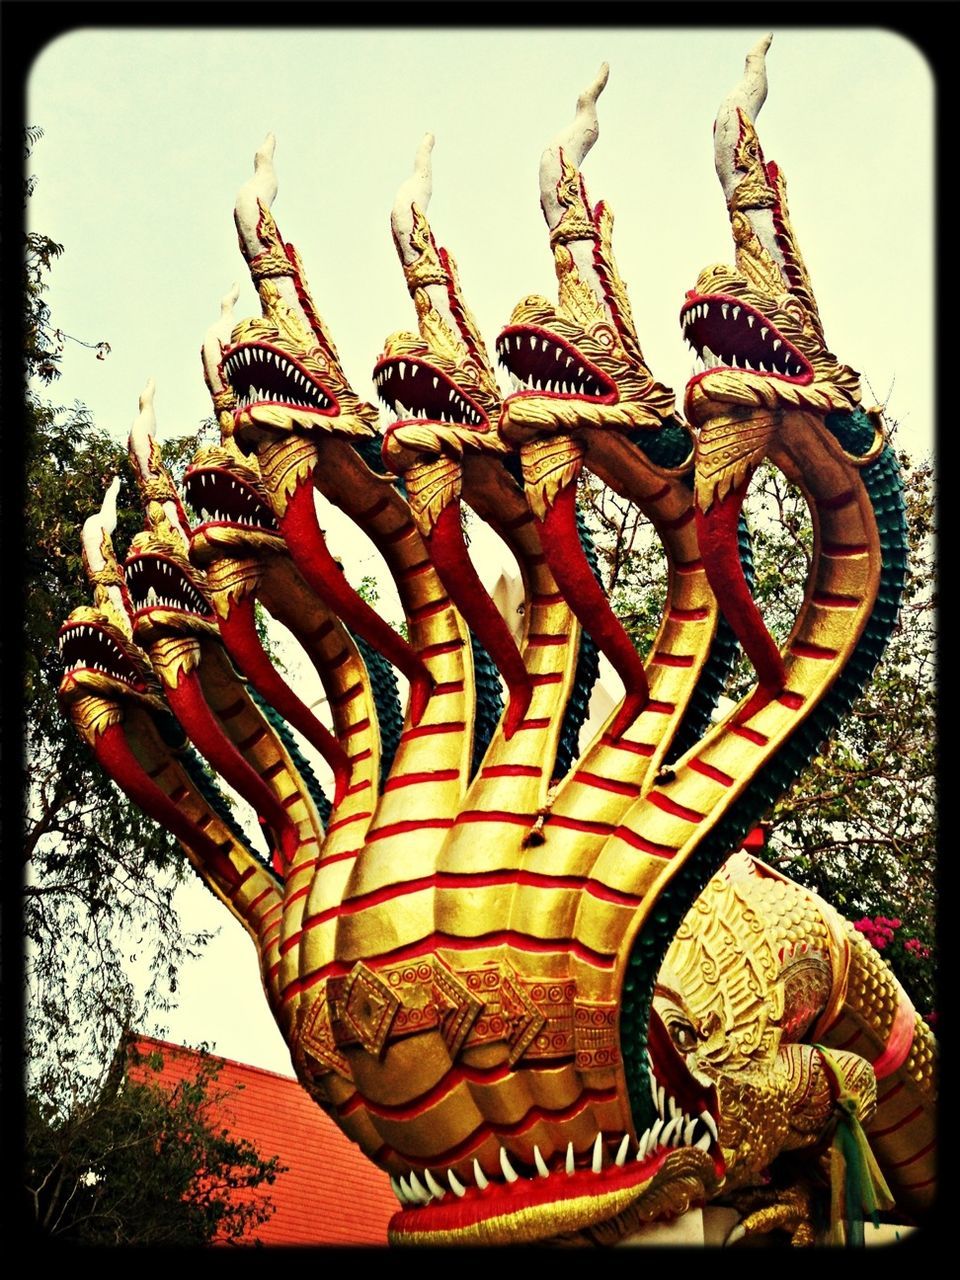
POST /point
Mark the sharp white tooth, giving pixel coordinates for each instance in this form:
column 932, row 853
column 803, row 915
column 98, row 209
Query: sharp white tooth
column 596, row 1163
column 569, row 1163
column 482, row 1181
column 747, row 364
column 509, row 1172
column 408, row 1194
column 711, row 1124
column 456, row 1186
column 724, row 308
column 533, row 343
column 403, row 369
column 688, row 1129
column 398, row 1190
column 670, row 1131
column 436, row 383
column 736, row 312
column 506, row 344
column 433, row 1184
column 644, row 1146
column 672, row 1107
column 750, row 320
column 706, row 308
column 761, row 367
column 777, row 344
column 569, row 361
column 653, row 1133
column 539, row 1161
column 661, row 1100
column 418, row 1189
column 515, row 382
column 413, row 370
column 763, row 333
column 556, row 353
column 703, row 1144
column 733, row 362
column 580, row 371
column 621, row 1156
column 151, row 596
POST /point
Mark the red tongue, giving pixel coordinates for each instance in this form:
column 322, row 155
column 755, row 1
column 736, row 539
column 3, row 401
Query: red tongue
column 574, row 577
column 312, row 557
column 239, row 632
column 190, row 707
column 719, row 549
column 118, row 760
column 459, row 577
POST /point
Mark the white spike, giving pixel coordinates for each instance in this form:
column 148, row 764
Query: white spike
column 409, row 1197
column 643, row 1146
column 482, row 1181
column 418, row 1189
column 539, row 1161
column 569, row 1163
column 596, row 1163
column 711, row 1124
column 750, row 320
column 509, row 1172
column 703, row 1144
column 397, row 1190
column 688, row 1128
column 433, row 1184
column 736, row 312
column 456, row 1186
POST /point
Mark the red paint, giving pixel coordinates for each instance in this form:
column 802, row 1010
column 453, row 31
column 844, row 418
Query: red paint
column 552, row 677
column 579, row 824
column 902, row 1164
column 494, row 815
column 542, row 639
column 892, row 1128
column 409, row 779
column 709, row 771
column 345, row 822
column 801, row 649
column 830, row 601
column 673, row 659
column 623, row 744
column 459, row 577
column 590, row 604
column 511, row 771
column 353, row 729
column 899, row 1041
column 189, row 705
column 752, row 735
column 425, row 730
column 535, row 722
column 719, row 547
column 837, row 503
column 680, row 521
column 792, row 700
column 117, row 759
column 408, row 824
column 301, row 532
column 840, row 550
column 688, row 615
column 607, row 784
column 630, row 837
column 444, row 646
column 667, row 805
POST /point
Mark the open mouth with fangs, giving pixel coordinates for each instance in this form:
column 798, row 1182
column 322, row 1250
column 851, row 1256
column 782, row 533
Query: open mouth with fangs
column 84, row 648
column 220, row 498
column 612, row 1172
column 726, row 333
column 541, row 362
column 154, row 582
column 417, row 391
column 261, row 374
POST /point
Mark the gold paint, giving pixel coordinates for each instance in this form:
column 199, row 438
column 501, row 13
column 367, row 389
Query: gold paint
column 549, row 466
column 729, row 449
column 431, row 486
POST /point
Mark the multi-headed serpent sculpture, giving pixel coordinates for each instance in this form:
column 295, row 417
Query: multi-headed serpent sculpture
column 531, row 983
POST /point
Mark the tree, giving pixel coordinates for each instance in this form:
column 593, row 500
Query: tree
column 858, row 826
column 98, row 878
column 136, row 1163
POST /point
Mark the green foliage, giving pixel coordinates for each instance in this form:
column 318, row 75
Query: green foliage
column 131, row 1162
column 98, row 877
column 859, row 826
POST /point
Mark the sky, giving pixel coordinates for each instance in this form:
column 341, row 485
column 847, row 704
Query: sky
column 149, row 133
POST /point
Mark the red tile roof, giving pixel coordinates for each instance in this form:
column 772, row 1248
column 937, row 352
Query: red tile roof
column 331, row 1194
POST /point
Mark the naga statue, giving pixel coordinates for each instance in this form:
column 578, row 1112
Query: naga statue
column 539, row 983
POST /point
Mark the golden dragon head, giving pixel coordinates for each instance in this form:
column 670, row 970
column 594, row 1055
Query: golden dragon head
column 283, row 368
column 439, row 382
column 96, row 645
column 578, row 363
column 223, row 484
column 755, row 327
column 167, row 594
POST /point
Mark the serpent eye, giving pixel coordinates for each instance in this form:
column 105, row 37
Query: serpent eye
column 683, row 1036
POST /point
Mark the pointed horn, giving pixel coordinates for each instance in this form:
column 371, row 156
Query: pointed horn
column 259, row 191
column 748, row 96
column 100, row 561
column 217, row 338
column 153, row 480
column 415, row 190
column 575, row 142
